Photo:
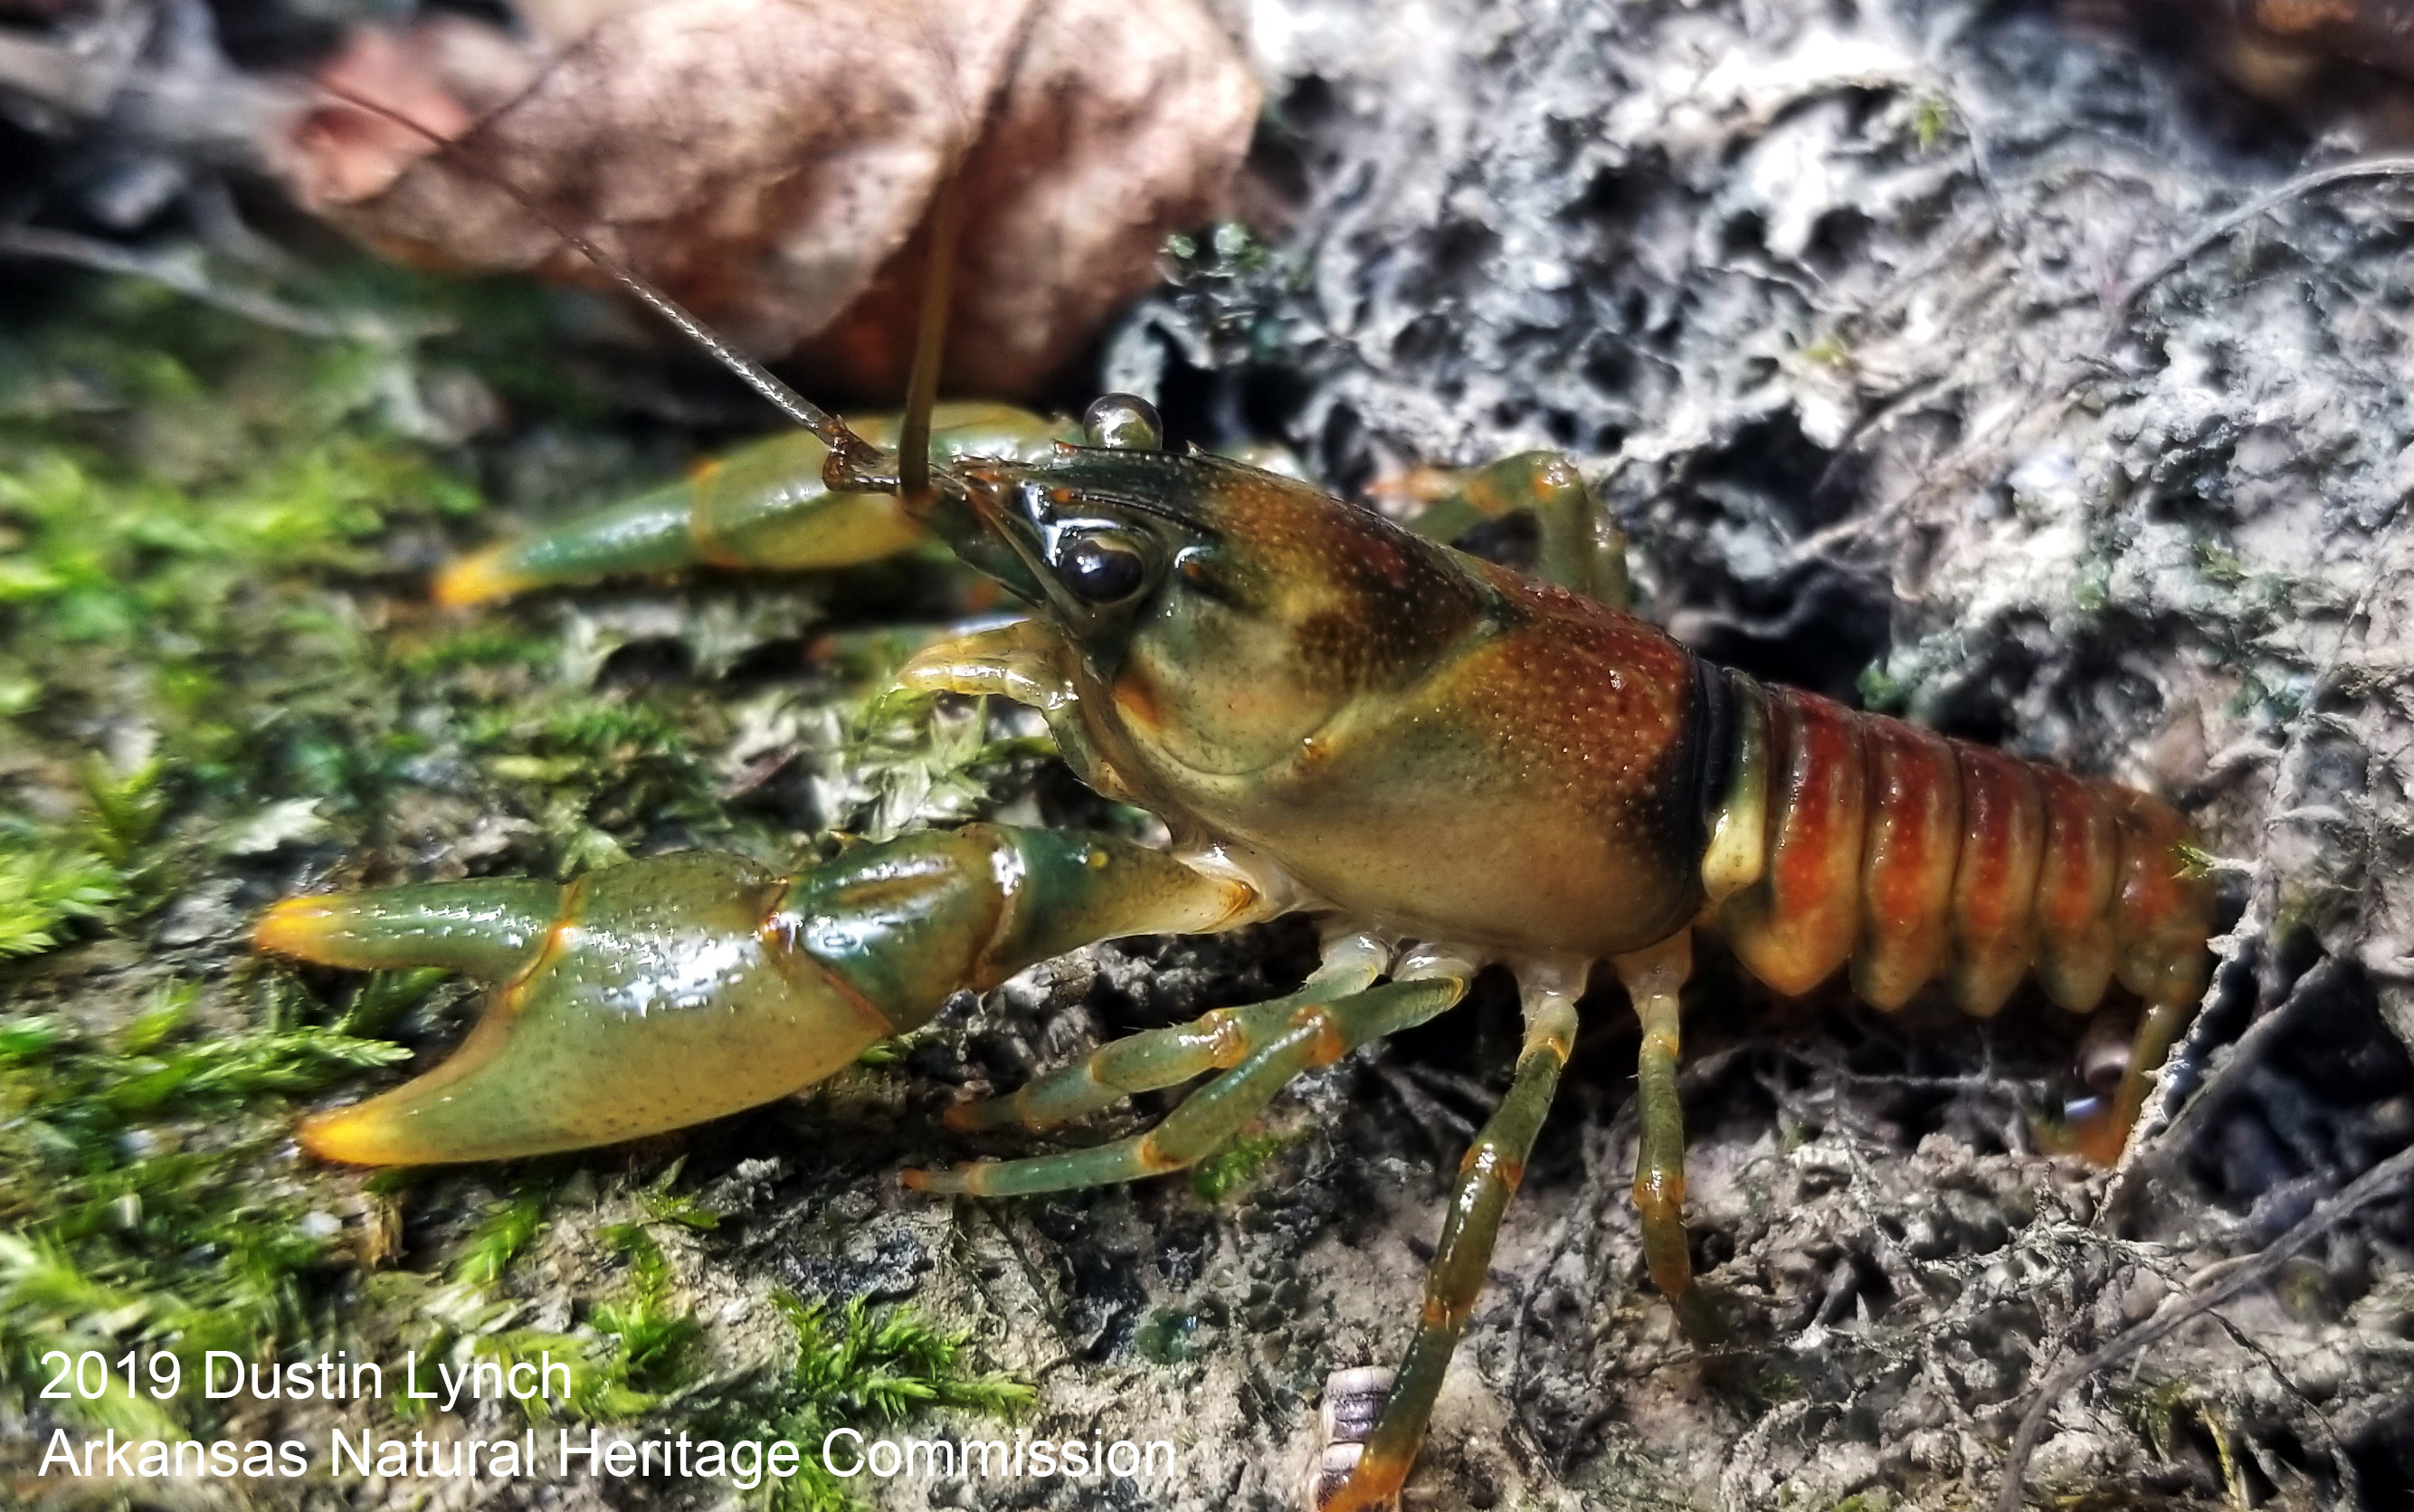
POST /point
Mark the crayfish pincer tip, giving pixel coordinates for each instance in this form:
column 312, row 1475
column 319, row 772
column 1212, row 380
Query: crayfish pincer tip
column 480, row 577
column 343, row 1138
column 298, row 927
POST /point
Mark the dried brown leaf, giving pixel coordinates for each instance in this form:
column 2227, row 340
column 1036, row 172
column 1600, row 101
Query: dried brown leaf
column 771, row 162
column 439, row 75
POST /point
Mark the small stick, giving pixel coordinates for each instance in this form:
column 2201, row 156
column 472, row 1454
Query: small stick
column 929, row 335
column 2382, row 1180
column 2298, row 187
column 188, row 279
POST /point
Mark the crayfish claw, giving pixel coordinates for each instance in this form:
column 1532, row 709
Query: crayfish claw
column 489, row 928
column 630, row 1002
column 649, row 996
column 482, row 577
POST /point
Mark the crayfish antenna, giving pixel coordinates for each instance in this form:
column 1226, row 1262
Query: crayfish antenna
column 854, row 464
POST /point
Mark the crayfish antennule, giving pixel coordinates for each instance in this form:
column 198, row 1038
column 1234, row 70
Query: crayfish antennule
column 922, row 382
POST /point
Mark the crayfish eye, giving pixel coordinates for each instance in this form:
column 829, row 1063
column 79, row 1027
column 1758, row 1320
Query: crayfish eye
column 1124, row 423
column 1100, row 569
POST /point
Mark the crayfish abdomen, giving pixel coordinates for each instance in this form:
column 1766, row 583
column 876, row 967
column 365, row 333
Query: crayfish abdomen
column 1919, row 857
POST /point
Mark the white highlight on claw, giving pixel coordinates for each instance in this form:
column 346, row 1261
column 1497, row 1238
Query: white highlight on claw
column 692, row 975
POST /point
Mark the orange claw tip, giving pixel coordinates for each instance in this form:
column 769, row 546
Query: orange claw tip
column 915, row 1180
column 297, row 926
column 352, row 1136
column 480, row 577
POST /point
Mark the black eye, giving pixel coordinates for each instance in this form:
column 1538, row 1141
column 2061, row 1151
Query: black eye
column 1125, row 422
column 1099, row 569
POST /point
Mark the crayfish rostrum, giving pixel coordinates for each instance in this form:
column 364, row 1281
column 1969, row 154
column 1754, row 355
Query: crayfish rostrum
column 1448, row 764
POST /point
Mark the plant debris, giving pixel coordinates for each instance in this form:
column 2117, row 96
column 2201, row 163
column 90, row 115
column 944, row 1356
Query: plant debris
column 772, row 164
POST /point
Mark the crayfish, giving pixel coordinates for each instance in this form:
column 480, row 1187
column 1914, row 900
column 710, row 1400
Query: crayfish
column 1448, row 764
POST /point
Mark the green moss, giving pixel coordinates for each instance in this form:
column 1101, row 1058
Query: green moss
column 1883, row 692
column 2194, row 860
column 1172, row 1336
column 867, row 1368
column 2093, row 589
column 633, row 1351
column 45, row 887
column 496, row 1242
column 198, row 528
column 220, row 679
column 910, row 759
column 663, row 1205
column 125, row 1226
column 56, row 876
column 1929, row 120
column 1232, row 1167
column 2220, row 564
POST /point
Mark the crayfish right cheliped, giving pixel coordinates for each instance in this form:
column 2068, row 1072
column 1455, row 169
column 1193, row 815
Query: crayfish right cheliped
column 1450, row 764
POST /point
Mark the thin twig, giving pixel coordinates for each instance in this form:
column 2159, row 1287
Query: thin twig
column 2271, row 1029
column 2296, row 188
column 185, row 276
column 2382, row 1180
column 2149, row 1147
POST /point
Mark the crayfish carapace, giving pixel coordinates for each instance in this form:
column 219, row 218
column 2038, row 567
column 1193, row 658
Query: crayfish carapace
column 1450, row 764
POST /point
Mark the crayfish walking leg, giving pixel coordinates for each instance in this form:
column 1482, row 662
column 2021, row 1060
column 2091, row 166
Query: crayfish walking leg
column 1579, row 545
column 1359, row 1478
column 1653, row 978
column 1266, row 1047
column 1156, row 1058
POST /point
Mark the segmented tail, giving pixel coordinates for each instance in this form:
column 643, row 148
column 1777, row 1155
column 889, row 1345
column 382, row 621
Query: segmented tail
column 1850, row 837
